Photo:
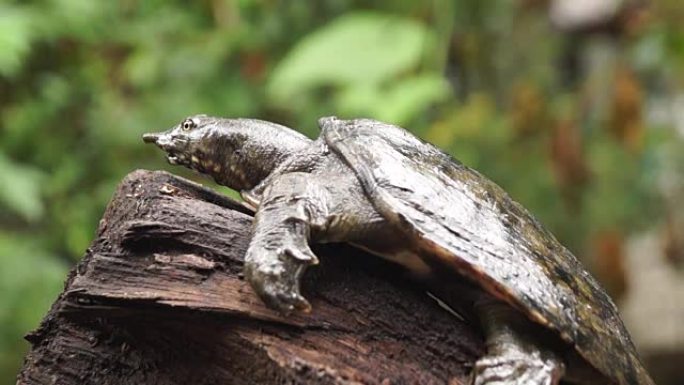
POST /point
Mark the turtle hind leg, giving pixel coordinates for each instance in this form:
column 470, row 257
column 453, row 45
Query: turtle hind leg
column 514, row 368
column 514, row 356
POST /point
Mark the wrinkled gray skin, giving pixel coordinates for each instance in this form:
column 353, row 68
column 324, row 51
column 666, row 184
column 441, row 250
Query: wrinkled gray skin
column 303, row 193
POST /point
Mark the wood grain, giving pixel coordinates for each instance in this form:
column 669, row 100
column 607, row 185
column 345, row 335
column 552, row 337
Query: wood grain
column 159, row 298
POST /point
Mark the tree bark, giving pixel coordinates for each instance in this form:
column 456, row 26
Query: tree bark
column 159, row 299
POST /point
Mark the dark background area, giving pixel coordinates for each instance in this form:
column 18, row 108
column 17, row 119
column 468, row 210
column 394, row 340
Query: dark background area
column 574, row 107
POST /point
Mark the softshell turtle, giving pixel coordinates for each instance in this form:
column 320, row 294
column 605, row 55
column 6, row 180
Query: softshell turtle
column 378, row 187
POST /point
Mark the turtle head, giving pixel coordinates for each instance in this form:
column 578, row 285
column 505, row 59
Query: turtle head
column 183, row 141
column 238, row 153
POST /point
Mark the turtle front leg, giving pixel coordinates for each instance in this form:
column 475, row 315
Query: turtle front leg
column 513, row 356
column 279, row 251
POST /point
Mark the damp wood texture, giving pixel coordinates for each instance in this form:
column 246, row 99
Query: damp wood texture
column 159, row 298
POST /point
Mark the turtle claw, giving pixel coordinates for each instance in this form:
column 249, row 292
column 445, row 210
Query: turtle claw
column 282, row 301
column 515, row 369
column 286, row 303
column 300, row 303
column 303, row 255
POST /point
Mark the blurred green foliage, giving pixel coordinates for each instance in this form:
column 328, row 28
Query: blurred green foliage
column 81, row 80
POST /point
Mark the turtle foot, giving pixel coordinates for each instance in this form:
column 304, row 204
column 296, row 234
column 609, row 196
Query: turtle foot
column 277, row 288
column 275, row 274
column 513, row 368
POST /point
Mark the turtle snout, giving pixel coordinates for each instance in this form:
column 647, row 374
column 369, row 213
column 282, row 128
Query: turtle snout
column 150, row 138
column 163, row 140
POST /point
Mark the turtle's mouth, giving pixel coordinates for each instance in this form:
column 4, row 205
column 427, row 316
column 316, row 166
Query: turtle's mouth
column 174, row 146
column 175, row 158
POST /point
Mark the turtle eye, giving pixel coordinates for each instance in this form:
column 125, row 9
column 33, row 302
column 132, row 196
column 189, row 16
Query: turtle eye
column 188, row 124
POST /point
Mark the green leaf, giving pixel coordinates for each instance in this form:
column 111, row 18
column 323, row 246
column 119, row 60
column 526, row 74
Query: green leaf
column 398, row 103
column 15, row 38
column 355, row 48
column 407, row 99
column 20, row 188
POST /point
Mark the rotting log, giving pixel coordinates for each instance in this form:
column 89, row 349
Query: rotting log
column 159, row 299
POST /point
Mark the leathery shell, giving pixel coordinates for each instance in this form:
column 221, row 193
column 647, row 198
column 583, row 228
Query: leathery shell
column 462, row 220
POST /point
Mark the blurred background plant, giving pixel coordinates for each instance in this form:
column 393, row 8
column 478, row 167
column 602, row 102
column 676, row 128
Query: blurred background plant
column 572, row 106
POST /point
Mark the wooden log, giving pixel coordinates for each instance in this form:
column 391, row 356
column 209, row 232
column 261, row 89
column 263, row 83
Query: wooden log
column 159, row 298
